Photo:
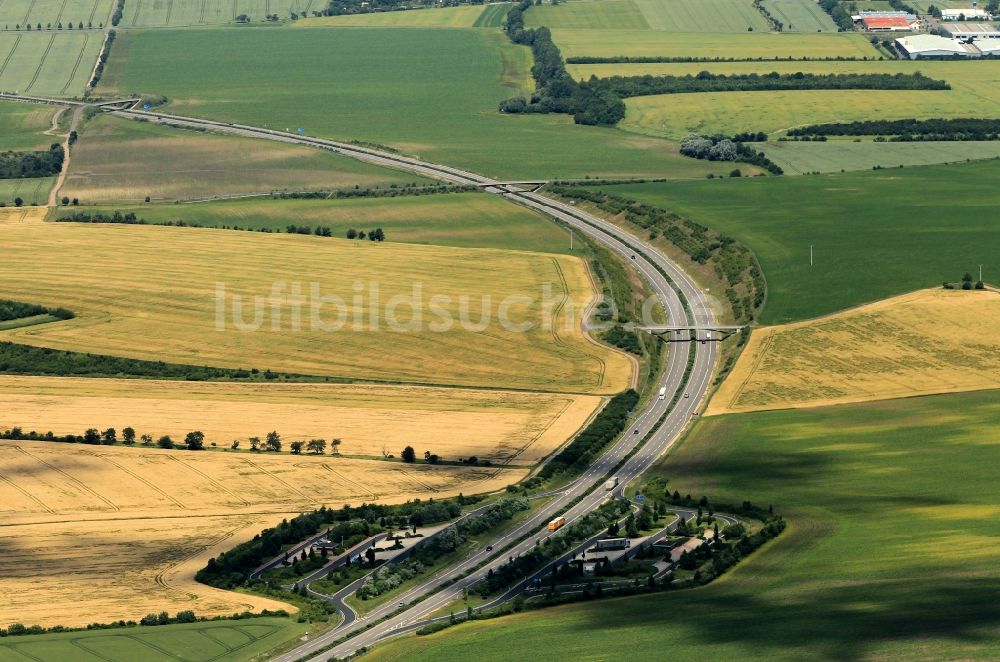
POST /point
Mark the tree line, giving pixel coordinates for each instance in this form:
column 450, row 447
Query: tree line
column 908, row 130
column 162, row 618
column 601, row 431
column 668, row 59
column 24, row 165
column 130, row 218
column 14, row 310
column 632, row 86
column 103, row 59
column 840, row 16
column 193, row 441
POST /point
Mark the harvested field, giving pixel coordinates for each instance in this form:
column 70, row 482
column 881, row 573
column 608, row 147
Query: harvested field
column 454, row 423
column 932, row 341
column 112, row 532
column 119, row 160
column 156, row 296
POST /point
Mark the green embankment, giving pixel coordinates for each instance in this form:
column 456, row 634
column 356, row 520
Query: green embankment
column 874, row 234
column 890, row 551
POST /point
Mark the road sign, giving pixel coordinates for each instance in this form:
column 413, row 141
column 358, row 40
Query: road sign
column 640, row 498
column 147, row 106
column 300, row 131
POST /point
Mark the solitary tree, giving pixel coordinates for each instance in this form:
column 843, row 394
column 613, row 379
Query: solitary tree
column 165, row 442
column 18, row 202
column 316, row 446
column 91, row 436
column 195, row 441
column 146, row 439
column 297, row 447
column 254, row 443
column 235, row 445
column 109, row 436
column 335, row 445
column 408, row 454
column 273, row 442
column 128, row 436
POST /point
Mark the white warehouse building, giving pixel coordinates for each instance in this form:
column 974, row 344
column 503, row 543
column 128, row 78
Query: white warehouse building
column 928, row 45
column 965, row 15
column 971, row 31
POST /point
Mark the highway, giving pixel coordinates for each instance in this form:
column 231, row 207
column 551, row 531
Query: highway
column 666, row 280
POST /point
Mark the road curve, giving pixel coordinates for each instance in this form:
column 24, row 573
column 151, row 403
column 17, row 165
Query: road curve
column 681, row 298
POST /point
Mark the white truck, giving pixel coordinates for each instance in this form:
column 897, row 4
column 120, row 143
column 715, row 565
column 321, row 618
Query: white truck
column 611, row 483
column 663, row 393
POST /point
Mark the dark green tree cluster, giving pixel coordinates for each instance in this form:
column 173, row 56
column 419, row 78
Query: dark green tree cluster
column 13, row 310
column 623, row 339
column 103, row 59
column 633, row 86
column 555, row 89
column 908, row 130
column 24, row 165
column 840, row 16
column 116, row 17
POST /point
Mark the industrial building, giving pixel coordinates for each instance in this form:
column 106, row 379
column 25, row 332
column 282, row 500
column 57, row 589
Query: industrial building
column 931, row 46
column 968, row 14
column 972, row 31
column 886, row 24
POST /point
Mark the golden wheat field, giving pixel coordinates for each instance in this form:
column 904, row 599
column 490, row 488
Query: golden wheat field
column 931, row 341
column 312, row 305
column 103, row 533
column 503, row 426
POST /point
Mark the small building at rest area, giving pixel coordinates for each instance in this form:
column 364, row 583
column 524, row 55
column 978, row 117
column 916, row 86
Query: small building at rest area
column 973, row 31
column 968, row 14
column 931, row 46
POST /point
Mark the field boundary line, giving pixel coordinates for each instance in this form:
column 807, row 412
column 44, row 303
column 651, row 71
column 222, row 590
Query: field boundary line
column 418, row 480
column 170, row 10
column 70, row 477
column 76, row 66
column 93, row 11
column 138, row 8
column 211, row 480
column 41, row 63
column 201, row 16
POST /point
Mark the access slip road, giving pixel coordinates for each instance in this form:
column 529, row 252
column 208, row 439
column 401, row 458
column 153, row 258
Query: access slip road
column 653, row 430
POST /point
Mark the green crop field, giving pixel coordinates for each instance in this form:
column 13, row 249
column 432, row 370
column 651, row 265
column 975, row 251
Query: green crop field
column 611, row 43
column 33, row 191
column 466, row 16
column 589, row 14
column 704, row 16
column 837, row 155
column 14, row 13
column 876, row 234
column 800, row 16
column 467, row 220
column 23, row 126
column 974, row 88
column 449, row 118
column 48, row 63
column 889, row 554
column 120, row 160
column 218, row 641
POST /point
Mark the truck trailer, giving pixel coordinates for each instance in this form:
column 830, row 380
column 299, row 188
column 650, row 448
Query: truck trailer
column 557, row 523
column 611, row 483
